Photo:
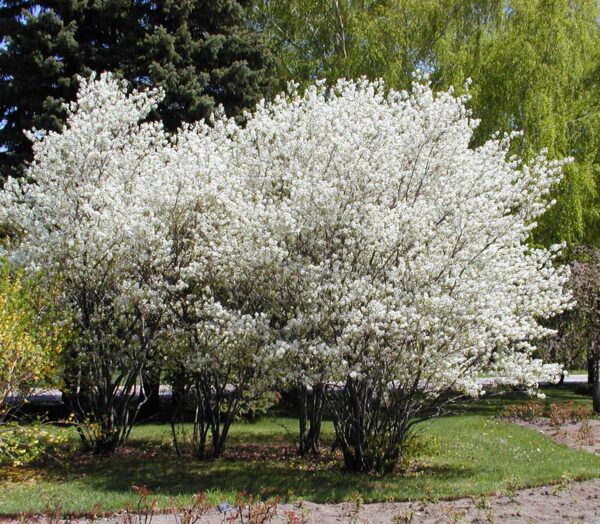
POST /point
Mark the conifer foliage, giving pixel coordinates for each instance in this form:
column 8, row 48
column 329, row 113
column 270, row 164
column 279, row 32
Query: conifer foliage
column 200, row 52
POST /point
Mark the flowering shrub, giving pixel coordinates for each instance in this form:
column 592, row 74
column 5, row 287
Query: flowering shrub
column 83, row 215
column 346, row 238
column 404, row 269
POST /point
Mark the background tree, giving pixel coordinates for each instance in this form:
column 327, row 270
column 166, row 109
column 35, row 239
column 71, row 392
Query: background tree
column 535, row 66
column 584, row 327
column 200, row 52
column 577, row 342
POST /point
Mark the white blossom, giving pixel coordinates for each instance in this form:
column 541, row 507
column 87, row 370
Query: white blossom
column 341, row 234
column 403, row 251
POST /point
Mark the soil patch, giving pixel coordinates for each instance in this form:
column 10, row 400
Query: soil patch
column 578, row 435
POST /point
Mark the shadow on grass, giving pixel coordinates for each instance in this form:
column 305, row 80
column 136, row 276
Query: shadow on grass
column 174, row 476
column 462, row 455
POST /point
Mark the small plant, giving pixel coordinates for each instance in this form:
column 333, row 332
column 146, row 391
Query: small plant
column 558, row 412
column 581, row 413
column 24, row 444
column 249, row 511
column 512, row 485
column 191, row 513
column 25, row 518
column 53, row 514
column 482, row 502
column 405, row 517
column 565, row 482
column 585, row 433
column 563, row 412
column 490, row 517
column 292, row 518
column 95, row 514
column 356, row 502
column 455, row 516
column 529, row 411
column 144, row 510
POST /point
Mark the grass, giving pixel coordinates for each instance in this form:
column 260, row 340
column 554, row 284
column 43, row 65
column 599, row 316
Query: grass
column 578, row 371
column 461, row 455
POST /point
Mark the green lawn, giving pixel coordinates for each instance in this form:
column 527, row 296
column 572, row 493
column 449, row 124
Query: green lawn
column 467, row 454
column 578, row 371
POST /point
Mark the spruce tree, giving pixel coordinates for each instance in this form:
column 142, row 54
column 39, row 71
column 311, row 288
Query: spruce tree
column 201, row 52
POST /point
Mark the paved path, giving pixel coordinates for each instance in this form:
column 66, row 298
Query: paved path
column 54, row 396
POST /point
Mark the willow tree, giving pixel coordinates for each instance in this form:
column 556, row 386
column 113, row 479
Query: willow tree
column 535, row 66
column 344, row 38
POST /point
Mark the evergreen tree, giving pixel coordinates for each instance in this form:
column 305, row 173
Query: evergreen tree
column 201, row 52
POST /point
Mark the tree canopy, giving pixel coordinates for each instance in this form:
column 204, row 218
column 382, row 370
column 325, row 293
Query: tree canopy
column 346, row 235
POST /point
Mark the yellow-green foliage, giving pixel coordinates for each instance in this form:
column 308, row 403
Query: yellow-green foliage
column 535, row 66
column 31, row 336
column 23, row 444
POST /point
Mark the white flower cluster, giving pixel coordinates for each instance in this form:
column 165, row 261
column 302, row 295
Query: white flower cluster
column 85, row 214
column 403, row 251
column 354, row 225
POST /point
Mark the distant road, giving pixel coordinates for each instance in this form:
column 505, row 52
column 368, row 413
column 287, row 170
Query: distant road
column 576, row 379
column 54, row 396
column 570, row 379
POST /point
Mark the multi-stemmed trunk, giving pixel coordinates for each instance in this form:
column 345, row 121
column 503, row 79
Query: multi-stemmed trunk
column 105, row 416
column 103, row 389
column 151, row 386
column 107, row 410
column 213, row 408
column 372, row 423
column 310, row 419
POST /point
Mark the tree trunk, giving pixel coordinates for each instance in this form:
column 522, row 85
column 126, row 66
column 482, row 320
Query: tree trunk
column 596, row 385
column 311, row 416
column 590, row 370
column 151, row 385
column 302, row 420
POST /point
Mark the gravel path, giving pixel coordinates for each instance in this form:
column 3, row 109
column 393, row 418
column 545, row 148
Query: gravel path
column 564, row 503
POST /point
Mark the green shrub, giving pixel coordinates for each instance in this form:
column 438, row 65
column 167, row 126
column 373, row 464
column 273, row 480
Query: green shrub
column 24, row 444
